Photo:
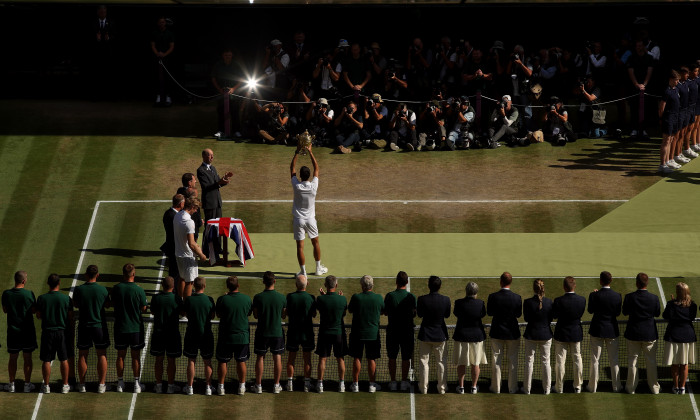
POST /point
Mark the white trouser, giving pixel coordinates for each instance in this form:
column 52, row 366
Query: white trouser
column 612, row 344
column 424, row 350
column 531, row 346
column 634, row 349
column 560, row 350
column 497, row 348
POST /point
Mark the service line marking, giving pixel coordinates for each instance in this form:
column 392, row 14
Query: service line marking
column 390, row 201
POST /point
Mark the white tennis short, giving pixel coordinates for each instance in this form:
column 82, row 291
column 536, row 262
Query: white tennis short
column 304, row 227
column 188, row 268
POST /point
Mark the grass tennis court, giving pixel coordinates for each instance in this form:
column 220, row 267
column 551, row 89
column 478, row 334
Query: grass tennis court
column 70, row 200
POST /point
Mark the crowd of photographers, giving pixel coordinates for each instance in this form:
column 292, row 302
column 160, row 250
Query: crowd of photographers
column 453, row 95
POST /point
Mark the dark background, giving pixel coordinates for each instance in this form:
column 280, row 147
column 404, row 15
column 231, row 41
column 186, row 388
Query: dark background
column 46, row 47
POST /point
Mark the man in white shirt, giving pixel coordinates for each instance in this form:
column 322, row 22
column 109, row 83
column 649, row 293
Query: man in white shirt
column 186, row 247
column 304, row 211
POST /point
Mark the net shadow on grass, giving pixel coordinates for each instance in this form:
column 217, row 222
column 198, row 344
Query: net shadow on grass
column 123, row 252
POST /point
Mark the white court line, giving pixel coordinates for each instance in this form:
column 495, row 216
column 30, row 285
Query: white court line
column 661, row 291
column 146, row 340
column 410, row 374
column 389, row 201
column 72, row 287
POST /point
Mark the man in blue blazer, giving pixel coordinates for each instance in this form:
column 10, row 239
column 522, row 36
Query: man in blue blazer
column 505, row 307
column 568, row 334
column 641, row 334
column 605, row 305
column 434, row 308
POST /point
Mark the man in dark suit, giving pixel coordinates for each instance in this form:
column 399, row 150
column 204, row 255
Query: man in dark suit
column 433, row 308
column 211, row 183
column 605, row 305
column 168, row 246
column 188, row 189
column 641, row 334
column 505, row 307
column 568, row 334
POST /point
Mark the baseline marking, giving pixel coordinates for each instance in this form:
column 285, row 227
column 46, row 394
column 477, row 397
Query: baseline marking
column 390, row 201
column 692, row 399
column 38, row 401
column 146, row 341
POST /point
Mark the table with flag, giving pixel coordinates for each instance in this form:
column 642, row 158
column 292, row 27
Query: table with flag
column 227, row 227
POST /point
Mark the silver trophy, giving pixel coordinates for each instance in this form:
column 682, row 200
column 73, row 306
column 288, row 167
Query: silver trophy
column 304, row 140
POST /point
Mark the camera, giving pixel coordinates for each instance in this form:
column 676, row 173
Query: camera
column 402, row 113
column 276, row 109
column 348, row 110
column 502, row 105
column 391, row 74
column 325, row 62
column 370, row 103
column 320, row 107
column 516, row 57
column 553, row 108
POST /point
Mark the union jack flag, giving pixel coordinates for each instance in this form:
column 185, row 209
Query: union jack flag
column 228, row 227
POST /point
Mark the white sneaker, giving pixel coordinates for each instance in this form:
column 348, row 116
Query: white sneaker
column 46, row 389
column 321, row 270
column 681, row 391
column 221, row 390
column 374, row 387
column 341, row 386
column 241, row 389
column 695, row 147
column 475, row 389
column 187, row 390
column 634, row 133
column 256, row 389
column 173, row 389
column 158, row 99
column 355, row 387
column 29, row 387
column 665, row 169
column 684, row 158
column 290, row 385
column 207, row 390
column 65, row 389
column 689, row 153
column 393, row 147
column 673, row 165
column 168, row 100
column 405, row 385
column 460, row 390
column 680, row 159
column 138, row 387
column 10, row 387
column 393, row 386
column 158, row 389
column 307, row 386
column 276, row 388
column 101, row 388
column 644, row 133
column 120, row 385
column 319, row 387
column 218, row 134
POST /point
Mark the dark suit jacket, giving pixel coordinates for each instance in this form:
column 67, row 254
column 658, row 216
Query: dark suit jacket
column 505, row 307
column 469, row 312
column 641, row 307
column 680, row 322
column 539, row 321
column 605, row 305
column 433, row 308
column 209, row 180
column 568, row 310
column 168, row 246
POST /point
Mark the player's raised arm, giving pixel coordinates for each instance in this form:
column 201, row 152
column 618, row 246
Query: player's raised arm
column 292, row 166
column 313, row 161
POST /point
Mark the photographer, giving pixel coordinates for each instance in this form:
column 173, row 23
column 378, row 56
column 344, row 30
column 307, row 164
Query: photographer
column 299, row 97
column 477, row 75
column 503, row 123
column 445, row 67
column 226, row 80
column 275, row 63
column 394, row 82
column 431, row 124
column 356, row 72
column 462, row 133
column 376, row 114
column 519, row 86
column 348, row 126
column 557, row 128
column 589, row 95
column 319, row 119
column 402, row 129
column 273, row 123
column 418, row 63
column 325, row 76
column 378, row 64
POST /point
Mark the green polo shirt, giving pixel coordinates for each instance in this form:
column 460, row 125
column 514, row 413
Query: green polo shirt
column 366, row 307
column 233, row 310
column 165, row 307
column 331, row 309
column 200, row 310
column 128, row 299
column 90, row 298
column 400, row 308
column 301, row 309
column 54, row 307
column 19, row 302
column 269, row 305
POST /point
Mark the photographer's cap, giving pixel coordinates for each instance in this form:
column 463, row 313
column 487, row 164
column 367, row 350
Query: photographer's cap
column 323, row 101
column 275, row 42
column 506, row 98
column 498, row 45
column 343, row 43
column 377, row 98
